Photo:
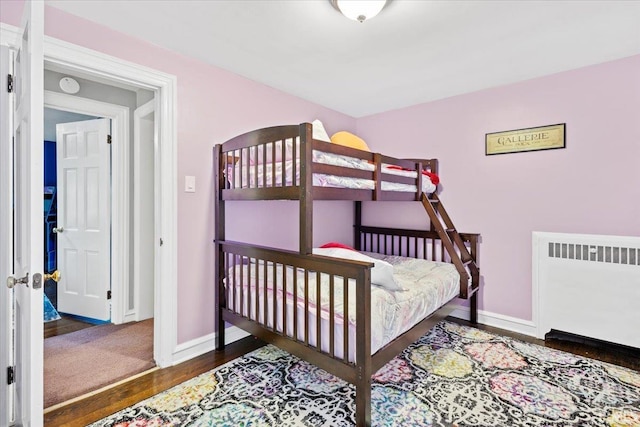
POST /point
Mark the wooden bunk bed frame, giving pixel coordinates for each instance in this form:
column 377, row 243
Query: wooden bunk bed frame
column 441, row 242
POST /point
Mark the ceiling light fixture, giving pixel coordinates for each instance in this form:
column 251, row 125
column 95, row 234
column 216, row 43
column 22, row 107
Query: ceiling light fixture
column 359, row 10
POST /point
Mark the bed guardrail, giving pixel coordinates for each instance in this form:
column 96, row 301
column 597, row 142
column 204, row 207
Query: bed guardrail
column 272, row 294
column 275, row 162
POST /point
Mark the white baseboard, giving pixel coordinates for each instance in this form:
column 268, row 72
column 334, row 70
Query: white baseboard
column 513, row 324
column 205, row 344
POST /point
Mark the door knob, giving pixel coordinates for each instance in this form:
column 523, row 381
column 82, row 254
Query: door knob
column 55, row 276
column 12, row 281
column 58, row 229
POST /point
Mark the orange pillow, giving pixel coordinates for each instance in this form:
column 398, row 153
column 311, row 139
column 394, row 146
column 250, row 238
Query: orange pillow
column 349, row 140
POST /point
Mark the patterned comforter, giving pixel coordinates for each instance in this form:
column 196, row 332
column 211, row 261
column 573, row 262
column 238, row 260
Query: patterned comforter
column 428, row 286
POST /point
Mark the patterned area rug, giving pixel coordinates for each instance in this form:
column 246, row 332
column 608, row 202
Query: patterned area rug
column 453, row 375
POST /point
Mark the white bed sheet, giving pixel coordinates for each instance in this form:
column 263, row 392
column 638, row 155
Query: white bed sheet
column 253, row 180
column 428, row 285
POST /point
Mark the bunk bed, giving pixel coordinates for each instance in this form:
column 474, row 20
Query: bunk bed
column 316, row 304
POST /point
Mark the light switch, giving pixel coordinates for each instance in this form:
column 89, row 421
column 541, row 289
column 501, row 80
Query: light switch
column 189, row 184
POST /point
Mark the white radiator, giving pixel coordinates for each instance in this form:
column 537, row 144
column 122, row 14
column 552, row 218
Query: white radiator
column 587, row 285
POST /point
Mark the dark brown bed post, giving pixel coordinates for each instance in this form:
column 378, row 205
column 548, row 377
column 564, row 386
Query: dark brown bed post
column 218, row 211
column 357, row 224
column 419, row 182
column 363, row 350
column 306, row 189
column 475, row 281
column 473, row 309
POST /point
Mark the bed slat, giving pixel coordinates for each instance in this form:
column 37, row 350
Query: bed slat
column 345, row 321
column 306, row 307
column 318, row 314
column 332, row 322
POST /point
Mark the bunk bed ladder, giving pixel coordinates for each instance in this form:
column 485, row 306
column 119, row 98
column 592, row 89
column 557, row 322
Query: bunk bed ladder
column 463, row 260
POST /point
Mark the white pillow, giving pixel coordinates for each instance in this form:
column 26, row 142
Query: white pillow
column 319, row 132
column 381, row 273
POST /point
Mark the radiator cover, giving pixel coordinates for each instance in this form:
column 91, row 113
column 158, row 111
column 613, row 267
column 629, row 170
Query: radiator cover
column 587, row 285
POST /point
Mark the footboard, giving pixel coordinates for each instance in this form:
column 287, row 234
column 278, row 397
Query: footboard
column 302, row 303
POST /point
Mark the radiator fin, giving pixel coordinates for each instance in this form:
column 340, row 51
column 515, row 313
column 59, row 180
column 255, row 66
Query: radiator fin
column 597, row 253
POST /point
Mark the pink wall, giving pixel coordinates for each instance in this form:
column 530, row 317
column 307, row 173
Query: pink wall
column 213, row 106
column 590, row 187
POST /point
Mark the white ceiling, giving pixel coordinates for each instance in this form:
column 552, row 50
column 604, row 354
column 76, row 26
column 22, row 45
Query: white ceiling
column 415, row 51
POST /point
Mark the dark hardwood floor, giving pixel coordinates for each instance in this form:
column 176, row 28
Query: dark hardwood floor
column 64, row 326
column 88, row 410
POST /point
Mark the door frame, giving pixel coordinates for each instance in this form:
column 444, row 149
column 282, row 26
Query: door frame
column 119, row 185
column 141, row 266
column 84, row 61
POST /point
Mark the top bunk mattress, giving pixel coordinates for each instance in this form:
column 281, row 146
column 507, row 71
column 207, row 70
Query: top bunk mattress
column 287, row 173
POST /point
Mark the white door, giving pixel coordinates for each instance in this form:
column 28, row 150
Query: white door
column 27, row 196
column 6, row 239
column 83, row 218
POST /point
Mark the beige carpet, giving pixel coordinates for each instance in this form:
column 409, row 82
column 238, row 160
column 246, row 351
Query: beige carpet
column 86, row 360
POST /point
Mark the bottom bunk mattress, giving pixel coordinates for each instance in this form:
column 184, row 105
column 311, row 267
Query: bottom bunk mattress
column 426, row 286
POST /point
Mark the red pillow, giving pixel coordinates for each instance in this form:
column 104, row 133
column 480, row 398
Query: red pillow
column 336, row 245
column 435, row 179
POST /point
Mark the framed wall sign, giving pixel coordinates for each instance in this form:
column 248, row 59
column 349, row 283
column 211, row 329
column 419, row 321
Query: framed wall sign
column 529, row 139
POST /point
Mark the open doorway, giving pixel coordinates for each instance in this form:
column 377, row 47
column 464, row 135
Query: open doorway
column 95, row 287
